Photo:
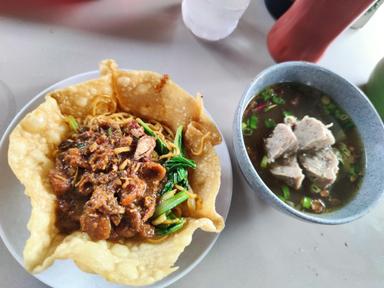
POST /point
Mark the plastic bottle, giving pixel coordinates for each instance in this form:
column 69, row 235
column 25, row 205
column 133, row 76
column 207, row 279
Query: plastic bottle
column 213, row 19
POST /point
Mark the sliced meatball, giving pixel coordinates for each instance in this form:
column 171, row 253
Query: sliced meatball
column 289, row 171
column 282, row 142
column 321, row 167
column 145, row 147
column 312, row 134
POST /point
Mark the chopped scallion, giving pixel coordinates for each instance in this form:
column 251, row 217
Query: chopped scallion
column 179, row 140
column 270, row 123
column 287, row 113
column 267, row 94
column 264, row 162
column 315, row 188
column 72, row 122
column 247, row 131
column 286, row 192
column 306, row 202
column 277, row 100
column 159, row 220
column 170, row 229
column 171, row 203
column 252, row 122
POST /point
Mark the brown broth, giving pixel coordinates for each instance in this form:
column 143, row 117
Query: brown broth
column 301, row 100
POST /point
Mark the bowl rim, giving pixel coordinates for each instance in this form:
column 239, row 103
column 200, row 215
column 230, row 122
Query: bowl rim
column 250, row 171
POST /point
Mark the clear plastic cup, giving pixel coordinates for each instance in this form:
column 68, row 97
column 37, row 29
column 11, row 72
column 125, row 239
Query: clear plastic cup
column 213, row 19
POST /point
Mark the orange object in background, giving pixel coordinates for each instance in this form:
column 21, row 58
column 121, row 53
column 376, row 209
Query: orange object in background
column 305, row 31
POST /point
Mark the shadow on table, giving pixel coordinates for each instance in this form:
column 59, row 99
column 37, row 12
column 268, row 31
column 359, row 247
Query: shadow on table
column 244, row 201
column 143, row 20
column 244, row 52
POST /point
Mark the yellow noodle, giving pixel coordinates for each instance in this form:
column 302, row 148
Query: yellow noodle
column 104, row 101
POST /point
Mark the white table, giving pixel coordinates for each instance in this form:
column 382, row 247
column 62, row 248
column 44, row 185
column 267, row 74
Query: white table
column 260, row 247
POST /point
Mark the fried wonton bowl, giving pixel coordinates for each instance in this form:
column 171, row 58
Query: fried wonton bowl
column 144, row 94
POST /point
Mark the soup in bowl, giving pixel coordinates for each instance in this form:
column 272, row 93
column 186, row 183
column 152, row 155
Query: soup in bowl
column 310, row 143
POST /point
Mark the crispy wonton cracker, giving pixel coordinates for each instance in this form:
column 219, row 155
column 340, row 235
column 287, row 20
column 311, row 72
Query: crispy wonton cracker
column 145, row 94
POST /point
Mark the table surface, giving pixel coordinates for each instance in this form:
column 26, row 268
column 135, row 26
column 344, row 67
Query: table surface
column 260, row 247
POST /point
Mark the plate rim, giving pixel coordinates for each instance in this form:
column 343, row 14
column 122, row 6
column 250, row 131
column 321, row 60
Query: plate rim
column 78, row 78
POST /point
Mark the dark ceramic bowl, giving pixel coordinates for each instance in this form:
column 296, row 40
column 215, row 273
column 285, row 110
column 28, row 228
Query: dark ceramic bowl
column 355, row 103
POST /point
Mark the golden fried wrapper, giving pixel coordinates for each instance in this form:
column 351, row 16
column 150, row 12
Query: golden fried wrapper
column 142, row 93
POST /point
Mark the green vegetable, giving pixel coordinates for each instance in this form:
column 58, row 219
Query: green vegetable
column 72, row 122
column 159, row 220
column 344, row 150
column 167, row 195
column 247, row 131
column 179, row 140
column 343, row 117
column 252, row 122
column 170, row 203
column 277, row 100
column 315, row 188
column 80, row 145
column 267, row 94
column 270, row 123
column 264, row 162
column 178, row 176
column 287, row 113
column 179, row 162
column 306, row 202
column 162, row 231
column 286, row 192
column 161, row 147
column 177, row 166
column 109, row 131
column 167, row 187
column 249, row 125
column 354, row 172
column 338, row 155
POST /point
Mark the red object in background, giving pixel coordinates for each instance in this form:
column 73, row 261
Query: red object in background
column 19, row 6
column 309, row 26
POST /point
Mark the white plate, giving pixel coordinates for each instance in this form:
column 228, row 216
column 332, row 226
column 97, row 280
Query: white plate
column 15, row 210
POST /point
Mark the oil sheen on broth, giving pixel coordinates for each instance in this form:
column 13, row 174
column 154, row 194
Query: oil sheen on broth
column 269, row 108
